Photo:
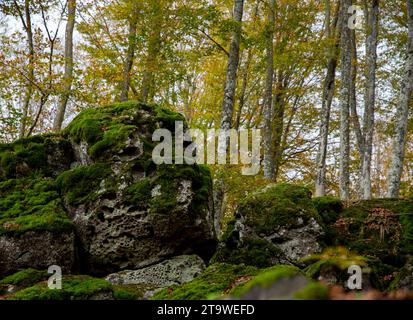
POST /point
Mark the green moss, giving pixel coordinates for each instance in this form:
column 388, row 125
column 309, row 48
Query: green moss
column 168, row 178
column 23, row 157
column 107, row 129
column 266, row 278
column 31, row 203
column 73, row 288
column 254, row 252
column 329, row 208
column 132, row 291
column 80, row 185
column 216, row 280
column 313, row 291
column 278, row 205
column 339, row 259
column 29, row 156
column 24, row 278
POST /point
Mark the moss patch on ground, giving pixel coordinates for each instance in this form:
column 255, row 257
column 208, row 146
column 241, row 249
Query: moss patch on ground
column 25, row 278
column 73, row 288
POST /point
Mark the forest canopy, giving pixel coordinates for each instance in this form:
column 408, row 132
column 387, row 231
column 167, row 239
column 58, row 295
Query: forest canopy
column 329, row 82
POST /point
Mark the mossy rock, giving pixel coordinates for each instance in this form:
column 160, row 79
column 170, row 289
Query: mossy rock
column 329, row 208
column 278, row 224
column 29, row 156
column 277, row 205
column 31, row 203
column 255, row 251
column 106, row 129
column 281, row 282
column 167, row 181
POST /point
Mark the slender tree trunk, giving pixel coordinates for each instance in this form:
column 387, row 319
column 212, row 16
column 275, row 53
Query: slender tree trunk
column 327, row 99
column 279, row 112
column 402, row 114
column 228, row 103
column 355, row 120
column 243, row 91
column 370, row 96
column 68, row 76
column 268, row 112
column 27, row 24
column 154, row 45
column 130, row 54
column 345, row 96
column 233, row 61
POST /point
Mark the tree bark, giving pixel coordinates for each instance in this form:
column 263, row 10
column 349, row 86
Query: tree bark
column 327, row 99
column 27, row 25
column 268, row 112
column 233, row 61
column 68, row 76
column 345, row 96
column 279, row 112
column 370, row 96
column 130, row 53
column 402, row 114
column 154, row 45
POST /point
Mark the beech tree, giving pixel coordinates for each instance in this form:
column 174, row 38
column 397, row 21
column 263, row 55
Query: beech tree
column 402, row 114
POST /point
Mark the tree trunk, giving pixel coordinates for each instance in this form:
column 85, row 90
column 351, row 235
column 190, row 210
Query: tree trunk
column 370, row 96
column 154, row 45
column 268, row 112
column 402, row 114
column 68, row 76
column 345, row 96
column 327, row 99
column 233, row 61
column 279, row 112
column 27, row 24
column 130, row 53
column 228, row 103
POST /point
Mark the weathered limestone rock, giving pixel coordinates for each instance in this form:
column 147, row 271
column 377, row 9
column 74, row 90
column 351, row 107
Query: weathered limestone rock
column 175, row 271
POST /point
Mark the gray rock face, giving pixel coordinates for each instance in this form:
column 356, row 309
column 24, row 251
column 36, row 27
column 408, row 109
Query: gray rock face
column 38, row 250
column 297, row 243
column 178, row 270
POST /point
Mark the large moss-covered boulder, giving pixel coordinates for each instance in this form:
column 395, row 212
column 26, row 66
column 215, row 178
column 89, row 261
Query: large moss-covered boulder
column 278, row 224
column 93, row 193
column 127, row 212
